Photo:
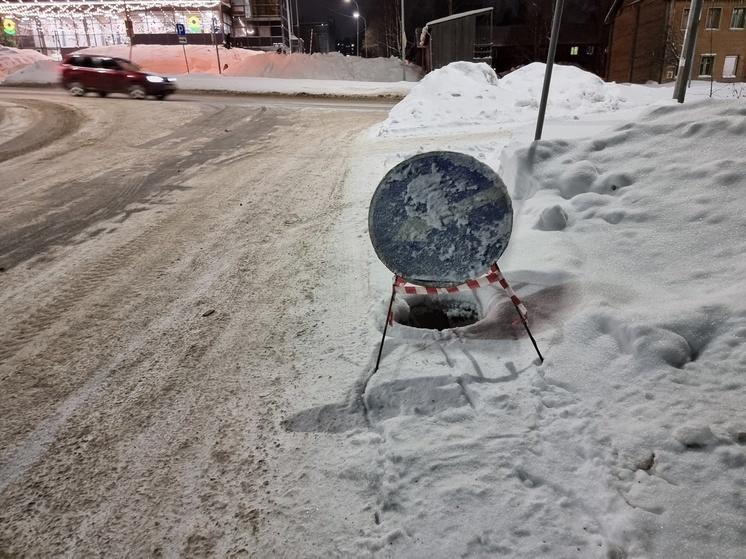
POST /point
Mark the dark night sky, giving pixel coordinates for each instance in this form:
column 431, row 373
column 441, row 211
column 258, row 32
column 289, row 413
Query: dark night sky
column 417, row 12
column 321, row 10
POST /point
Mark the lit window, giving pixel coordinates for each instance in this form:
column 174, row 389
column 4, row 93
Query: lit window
column 574, row 51
column 684, row 18
column 729, row 66
column 738, row 19
column 706, row 62
column 713, row 18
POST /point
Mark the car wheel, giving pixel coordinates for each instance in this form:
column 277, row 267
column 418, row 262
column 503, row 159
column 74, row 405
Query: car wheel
column 161, row 96
column 77, row 89
column 137, row 92
column 102, row 93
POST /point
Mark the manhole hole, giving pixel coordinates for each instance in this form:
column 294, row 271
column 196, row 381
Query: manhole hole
column 438, row 312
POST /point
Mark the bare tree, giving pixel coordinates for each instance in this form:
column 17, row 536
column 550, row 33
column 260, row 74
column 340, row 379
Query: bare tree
column 392, row 28
column 672, row 48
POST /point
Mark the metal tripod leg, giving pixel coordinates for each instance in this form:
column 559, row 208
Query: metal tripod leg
column 386, row 325
column 530, row 335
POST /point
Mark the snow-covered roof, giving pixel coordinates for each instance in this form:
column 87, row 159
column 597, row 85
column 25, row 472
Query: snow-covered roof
column 425, row 29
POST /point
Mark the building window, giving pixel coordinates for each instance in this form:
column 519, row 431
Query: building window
column 738, row 19
column 684, row 18
column 706, row 62
column 589, row 50
column 730, row 66
column 713, row 18
column 574, row 51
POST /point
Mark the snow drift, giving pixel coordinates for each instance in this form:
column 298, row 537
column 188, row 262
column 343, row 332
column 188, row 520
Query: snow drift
column 12, row 59
column 629, row 250
column 169, row 59
column 464, row 93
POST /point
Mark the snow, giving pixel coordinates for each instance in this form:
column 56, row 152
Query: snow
column 464, row 94
column 629, row 250
column 247, row 71
column 12, row 59
column 169, row 59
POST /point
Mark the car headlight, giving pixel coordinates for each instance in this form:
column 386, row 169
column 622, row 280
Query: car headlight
column 154, row 79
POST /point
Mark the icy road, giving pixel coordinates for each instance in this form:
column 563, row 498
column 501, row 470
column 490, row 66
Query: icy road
column 159, row 261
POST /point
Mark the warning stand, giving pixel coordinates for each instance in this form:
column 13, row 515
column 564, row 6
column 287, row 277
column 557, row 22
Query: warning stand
column 401, row 285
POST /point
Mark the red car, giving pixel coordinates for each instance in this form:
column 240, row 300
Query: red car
column 104, row 74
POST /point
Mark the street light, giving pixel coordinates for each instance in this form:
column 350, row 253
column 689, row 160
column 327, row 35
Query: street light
column 356, row 15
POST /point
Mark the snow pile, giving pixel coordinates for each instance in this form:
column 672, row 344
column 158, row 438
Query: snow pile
column 41, row 72
column 573, row 90
column 629, row 250
column 169, row 59
column 12, row 59
column 465, row 93
column 340, row 88
column 248, row 71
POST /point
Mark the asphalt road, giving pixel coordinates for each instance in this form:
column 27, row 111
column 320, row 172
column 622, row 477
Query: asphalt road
column 151, row 257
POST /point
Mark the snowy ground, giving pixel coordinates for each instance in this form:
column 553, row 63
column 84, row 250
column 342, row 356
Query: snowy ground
column 256, row 430
column 629, row 249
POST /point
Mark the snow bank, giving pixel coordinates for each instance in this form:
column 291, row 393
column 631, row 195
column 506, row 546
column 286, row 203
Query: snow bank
column 629, row 250
column 247, row 71
column 293, row 86
column 41, row 72
column 169, row 59
column 465, row 93
column 654, row 344
column 12, row 59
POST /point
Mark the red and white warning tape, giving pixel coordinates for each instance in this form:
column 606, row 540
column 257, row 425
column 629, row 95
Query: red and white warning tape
column 494, row 276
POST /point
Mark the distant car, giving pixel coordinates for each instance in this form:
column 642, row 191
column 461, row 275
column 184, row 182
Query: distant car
column 104, row 74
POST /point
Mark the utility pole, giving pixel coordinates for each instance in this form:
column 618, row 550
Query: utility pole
column 687, row 53
column 558, row 6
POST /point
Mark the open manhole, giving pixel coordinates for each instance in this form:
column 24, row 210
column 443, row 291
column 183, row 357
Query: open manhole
column 437, row 312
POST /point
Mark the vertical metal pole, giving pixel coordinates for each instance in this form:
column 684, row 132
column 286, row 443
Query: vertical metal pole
column 365, row 33
column 131, row 27
column 214, row 41
column 558, row 7
column 687, row 53
column 183, row 47
column 290, row 26
column 357, row 36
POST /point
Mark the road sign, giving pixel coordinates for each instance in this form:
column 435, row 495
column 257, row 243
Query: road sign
column 440, row 219
column 182, row 40
column 180, row 29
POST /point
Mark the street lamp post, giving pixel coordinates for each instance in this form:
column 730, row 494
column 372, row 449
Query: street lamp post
column 357, row 17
